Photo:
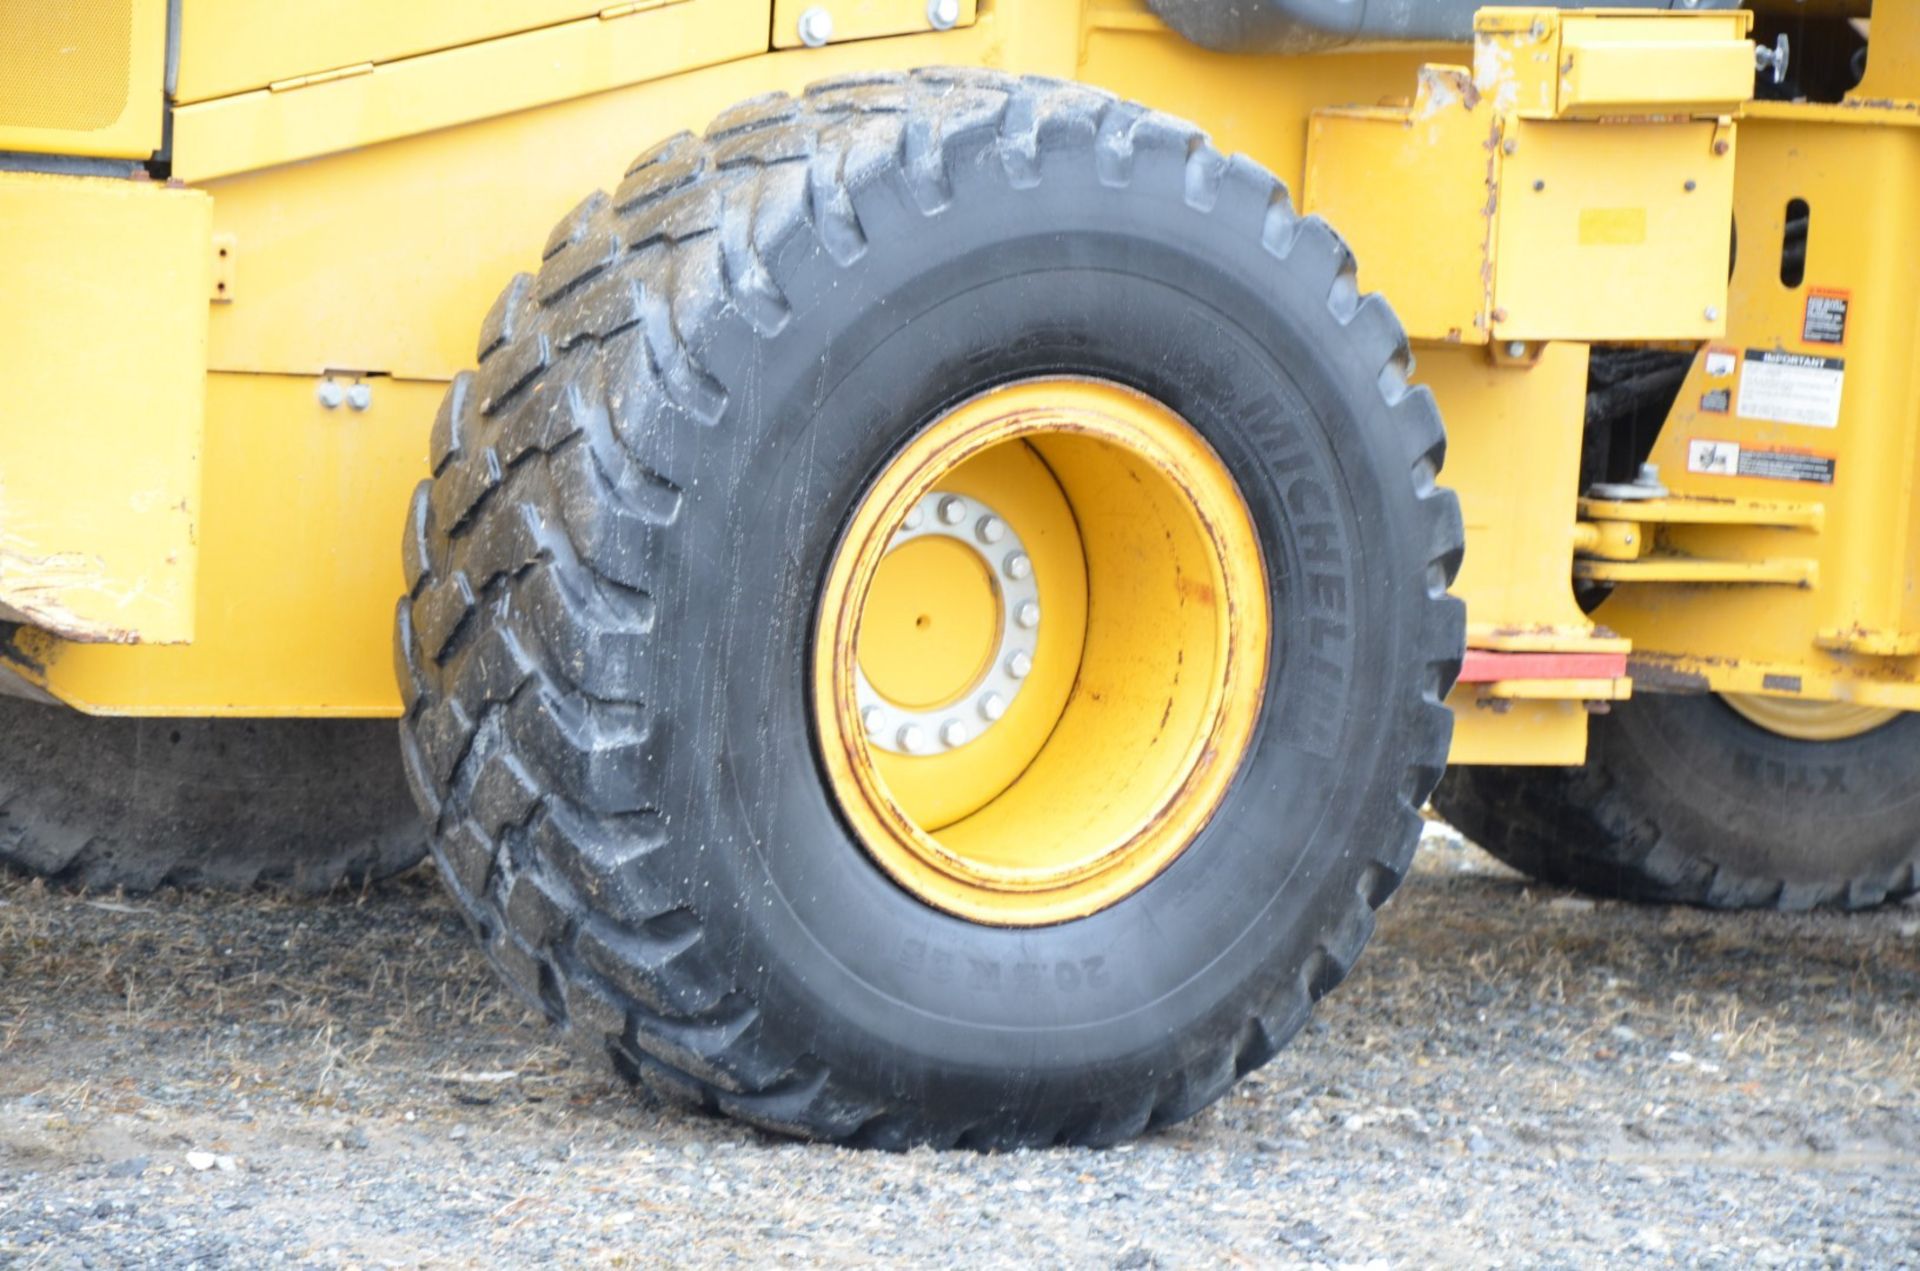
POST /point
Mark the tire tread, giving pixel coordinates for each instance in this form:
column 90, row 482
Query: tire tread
column 526, row 795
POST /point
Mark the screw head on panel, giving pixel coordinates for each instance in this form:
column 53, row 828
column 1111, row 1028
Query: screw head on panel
column 815, row 27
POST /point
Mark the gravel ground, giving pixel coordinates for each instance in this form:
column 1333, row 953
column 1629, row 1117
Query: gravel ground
column 1512, row 1077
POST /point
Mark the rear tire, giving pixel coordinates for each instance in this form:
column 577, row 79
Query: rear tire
column 616, row 570
column 301, row 805
column 1682, row 800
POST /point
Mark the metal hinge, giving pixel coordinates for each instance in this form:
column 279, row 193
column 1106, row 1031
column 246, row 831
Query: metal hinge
column 321, row 77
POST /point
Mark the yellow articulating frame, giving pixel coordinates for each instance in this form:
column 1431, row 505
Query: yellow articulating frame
column 1791, row 451
column 359, row 187
column 1573, row 185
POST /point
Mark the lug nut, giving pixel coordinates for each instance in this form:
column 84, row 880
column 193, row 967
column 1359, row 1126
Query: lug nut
column 875, row 719
column 1020, row 665
column 1018, row 568
column 991, row 529
column 953, row 733
column 913, row 739
column 992, row 707
column 942, row 14
column 952, row 510
column 1028, row 615
column 816, row 27
column 915, row 518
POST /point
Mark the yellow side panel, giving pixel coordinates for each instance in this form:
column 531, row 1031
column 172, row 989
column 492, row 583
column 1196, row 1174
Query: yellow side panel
column 1626, row 77
column 437, row 90
column 1549, row 733
column 103, row 330
column 1481, row 221
column 299, row 561
column 82, row 77
column 1543, row 63
column 1432, row 262
column 1613, row 232
column 861, row 19
column 1685, row 63
column 228, row 46
column 1513, row 456
column 328, row 275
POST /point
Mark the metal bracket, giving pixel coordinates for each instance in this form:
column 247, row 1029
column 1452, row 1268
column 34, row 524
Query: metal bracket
column 225, row 246
column 1617, row 542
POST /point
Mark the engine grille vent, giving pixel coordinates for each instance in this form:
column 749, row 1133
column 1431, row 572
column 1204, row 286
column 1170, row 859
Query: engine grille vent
column 64, row 64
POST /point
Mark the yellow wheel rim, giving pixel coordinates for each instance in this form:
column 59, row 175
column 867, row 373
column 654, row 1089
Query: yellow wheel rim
column 1041, row 651
column 1805, row 720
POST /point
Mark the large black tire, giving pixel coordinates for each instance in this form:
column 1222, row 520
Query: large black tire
column 1682, row 800
column 301, row 805
column 615, row 569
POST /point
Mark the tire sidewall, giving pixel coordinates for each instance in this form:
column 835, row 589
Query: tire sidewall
column 1751, row 802
column 1068, row 278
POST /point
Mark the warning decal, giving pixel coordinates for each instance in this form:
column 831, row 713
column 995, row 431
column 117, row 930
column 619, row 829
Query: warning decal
column 1791, row 388
column 1731, row 459
column 1826, row 318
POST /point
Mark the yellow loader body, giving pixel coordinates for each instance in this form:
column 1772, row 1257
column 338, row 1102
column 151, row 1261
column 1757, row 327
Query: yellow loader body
column 224, row 362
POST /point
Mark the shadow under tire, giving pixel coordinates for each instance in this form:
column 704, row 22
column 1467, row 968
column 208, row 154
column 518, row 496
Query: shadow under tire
column 302, row 805
column 616, row 567
column 1682, row 800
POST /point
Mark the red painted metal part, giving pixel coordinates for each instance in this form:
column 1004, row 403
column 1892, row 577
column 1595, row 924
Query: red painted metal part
column 1482, row 666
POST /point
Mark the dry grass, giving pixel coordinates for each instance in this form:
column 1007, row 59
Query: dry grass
column 1502, row 1067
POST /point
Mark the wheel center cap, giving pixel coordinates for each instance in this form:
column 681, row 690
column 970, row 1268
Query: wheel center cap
column 949, row 628
column 931, row 624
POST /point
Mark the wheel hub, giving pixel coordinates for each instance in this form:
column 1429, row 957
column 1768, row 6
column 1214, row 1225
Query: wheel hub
column 950, row 630
column 1041, row 650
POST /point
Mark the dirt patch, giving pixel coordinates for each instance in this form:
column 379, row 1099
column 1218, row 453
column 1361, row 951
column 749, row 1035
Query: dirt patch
column 1512, row 1076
